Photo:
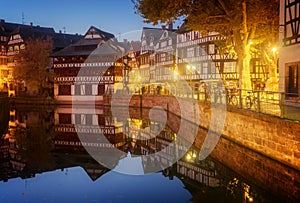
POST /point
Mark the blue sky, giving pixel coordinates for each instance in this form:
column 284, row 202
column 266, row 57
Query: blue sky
column 114, row 16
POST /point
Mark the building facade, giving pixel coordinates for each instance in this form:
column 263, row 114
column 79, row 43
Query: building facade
column 89, row 68
column 13, row 39
column 289, row 60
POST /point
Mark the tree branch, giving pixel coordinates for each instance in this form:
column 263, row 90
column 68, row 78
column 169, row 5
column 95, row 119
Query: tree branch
column 225, row 7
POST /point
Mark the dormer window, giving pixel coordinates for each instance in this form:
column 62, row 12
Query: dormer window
column 16, row 37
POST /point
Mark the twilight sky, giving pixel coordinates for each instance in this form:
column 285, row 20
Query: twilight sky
column 114, row 16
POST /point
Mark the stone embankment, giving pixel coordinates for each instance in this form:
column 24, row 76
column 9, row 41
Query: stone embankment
column 273, row 137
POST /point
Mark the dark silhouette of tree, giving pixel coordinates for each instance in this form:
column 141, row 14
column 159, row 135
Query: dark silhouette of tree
column 35, row 143
column 250, row 26
column 32, row 63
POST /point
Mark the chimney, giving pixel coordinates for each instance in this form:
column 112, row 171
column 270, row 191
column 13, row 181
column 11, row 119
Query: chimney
column 31, row 24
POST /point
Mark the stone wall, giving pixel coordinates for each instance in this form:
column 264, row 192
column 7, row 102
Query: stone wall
column 274, row 137
column 265, row 173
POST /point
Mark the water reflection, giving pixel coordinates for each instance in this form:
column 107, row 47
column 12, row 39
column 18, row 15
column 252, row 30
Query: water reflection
column 43, row 143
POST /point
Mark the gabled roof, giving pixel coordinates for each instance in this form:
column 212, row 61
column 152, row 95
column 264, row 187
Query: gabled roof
column 87, row 44
column 98, row 33
column 135, row 46
column 151, row 34
column 61, row 40
column 7, row 28
column 27, row 32
column 110, row 47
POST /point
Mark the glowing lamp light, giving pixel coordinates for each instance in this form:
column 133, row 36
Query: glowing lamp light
column 176, row 75
column 194, row 155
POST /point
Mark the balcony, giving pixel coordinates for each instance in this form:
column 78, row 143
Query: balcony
column 87, row 79
column 82, row 65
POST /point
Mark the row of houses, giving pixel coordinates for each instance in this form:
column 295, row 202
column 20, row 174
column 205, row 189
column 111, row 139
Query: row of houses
column 95, row 65
column 13, row 38
column 90, row 66
column 166, row 55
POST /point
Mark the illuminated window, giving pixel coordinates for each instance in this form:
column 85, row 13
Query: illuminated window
column 229, row 67
column 211, row 49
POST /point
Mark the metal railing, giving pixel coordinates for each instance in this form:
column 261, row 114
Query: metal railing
column 265, row 102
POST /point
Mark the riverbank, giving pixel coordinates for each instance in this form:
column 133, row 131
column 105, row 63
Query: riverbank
column 41, row 101
column 274, row 137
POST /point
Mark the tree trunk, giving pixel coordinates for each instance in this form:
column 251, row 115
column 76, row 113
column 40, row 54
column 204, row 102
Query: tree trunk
column 244, row 58
column 272, row 82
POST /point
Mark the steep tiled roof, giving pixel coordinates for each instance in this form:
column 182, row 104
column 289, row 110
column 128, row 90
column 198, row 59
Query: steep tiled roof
column 7, row 28
column 104, row 35
column 152, row 34
column 61, row 40
column 33, row 32
column 86, row 45
column 135, row 46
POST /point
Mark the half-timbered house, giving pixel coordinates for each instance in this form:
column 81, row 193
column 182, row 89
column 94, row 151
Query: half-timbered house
column 149, row 38
column 89, row 68
column 289, row 40
column 200, row 62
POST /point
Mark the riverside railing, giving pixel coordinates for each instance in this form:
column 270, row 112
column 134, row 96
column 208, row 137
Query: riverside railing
column 265, row 102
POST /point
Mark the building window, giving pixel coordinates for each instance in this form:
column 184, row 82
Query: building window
column 64, row 118
column 179, row 38
column 162, row 57
column 77, row 89
column 229, row 67
column 291, row 24
column 211, row 49
column 101, row 120
column 205, row 68
column 163, row 44
column 89, row 119
column 78, row 119
column 101, row 89
column 4, row 73
column 88, row 89
column 190, row 52
column 292, row 81
column 203, row 50
column 64, row 89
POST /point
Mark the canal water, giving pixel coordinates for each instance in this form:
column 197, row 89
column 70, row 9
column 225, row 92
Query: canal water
column 42, row 159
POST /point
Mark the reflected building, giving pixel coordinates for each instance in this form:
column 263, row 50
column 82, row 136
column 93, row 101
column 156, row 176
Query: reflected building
column 46, row 140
